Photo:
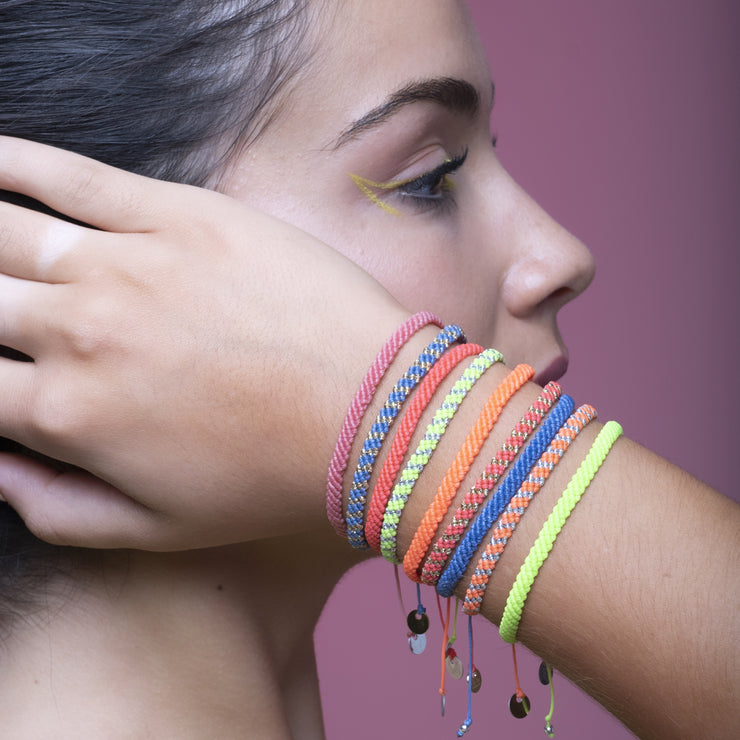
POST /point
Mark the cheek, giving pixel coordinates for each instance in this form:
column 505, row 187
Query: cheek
column 458, row 281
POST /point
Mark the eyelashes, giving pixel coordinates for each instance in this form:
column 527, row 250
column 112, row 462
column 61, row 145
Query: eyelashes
column 436, row 183
column 431, row 190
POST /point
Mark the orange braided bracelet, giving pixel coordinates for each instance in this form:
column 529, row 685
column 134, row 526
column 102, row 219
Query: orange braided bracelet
column 467, row 510
column 459, row 469
column 422, row 397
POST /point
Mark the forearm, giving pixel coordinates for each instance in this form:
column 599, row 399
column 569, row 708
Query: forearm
column 636, row 602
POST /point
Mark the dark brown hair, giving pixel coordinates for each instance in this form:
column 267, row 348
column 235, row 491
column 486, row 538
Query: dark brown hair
column 165, row 88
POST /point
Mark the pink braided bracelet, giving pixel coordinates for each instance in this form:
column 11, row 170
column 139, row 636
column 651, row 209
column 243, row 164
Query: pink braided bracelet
column 360, row 402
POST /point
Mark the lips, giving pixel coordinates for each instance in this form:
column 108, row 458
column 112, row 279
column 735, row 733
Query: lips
column 555, row 370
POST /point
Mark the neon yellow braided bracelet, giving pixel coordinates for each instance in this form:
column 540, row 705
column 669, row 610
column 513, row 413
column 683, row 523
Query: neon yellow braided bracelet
column 551, row 529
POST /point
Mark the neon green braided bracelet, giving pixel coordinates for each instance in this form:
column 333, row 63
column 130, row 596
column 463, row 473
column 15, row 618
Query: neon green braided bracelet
column 551, row 529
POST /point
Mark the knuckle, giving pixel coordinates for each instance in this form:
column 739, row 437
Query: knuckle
column 52, row 420
column 82, row 184
column 92, row 333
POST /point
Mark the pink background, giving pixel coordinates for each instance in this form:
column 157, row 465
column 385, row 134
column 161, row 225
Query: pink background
column 622, row 119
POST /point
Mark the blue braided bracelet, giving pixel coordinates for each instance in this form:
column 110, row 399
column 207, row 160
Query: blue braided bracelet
column 383, row 422
column 495, row 505
column 416, row 463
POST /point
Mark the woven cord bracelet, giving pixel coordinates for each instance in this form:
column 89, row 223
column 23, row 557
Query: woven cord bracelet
column 383, row 422
column 497, row 502
column 402, row 438
column 427, row 445
column 469, row 451
column 518, row 505
column 467, row 510
column 357, row 408
column 546, row 539
column 457, row 471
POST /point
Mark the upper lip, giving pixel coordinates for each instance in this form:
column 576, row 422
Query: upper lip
column 555, row 370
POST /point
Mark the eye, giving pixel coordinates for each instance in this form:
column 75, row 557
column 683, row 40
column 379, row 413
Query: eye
column 434, row 185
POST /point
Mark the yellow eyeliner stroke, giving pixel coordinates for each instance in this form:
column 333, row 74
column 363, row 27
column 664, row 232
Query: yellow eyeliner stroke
column 366, row 187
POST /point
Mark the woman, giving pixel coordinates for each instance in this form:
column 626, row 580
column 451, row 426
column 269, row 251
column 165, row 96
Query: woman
column 531, row 309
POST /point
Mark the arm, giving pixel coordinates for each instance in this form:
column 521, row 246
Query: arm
column 180, row 459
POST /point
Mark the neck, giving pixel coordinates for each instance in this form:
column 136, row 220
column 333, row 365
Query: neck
column 206, row 643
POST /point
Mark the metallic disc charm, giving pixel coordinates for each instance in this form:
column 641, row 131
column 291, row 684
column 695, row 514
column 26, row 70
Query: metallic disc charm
column 477, row 681
column 454, row 666
column 418, row 623
column 519, row 708
column 544, row 676
column 417, row 644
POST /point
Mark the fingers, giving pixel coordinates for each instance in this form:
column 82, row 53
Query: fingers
column 16, row 382
column 30, row 315
column 86, row 190
column 37, row 247
column 73, row 508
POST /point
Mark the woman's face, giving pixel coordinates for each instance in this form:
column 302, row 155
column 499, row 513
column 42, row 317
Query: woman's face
column 383, row 150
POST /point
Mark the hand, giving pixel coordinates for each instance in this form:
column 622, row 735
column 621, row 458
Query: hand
column 180, row 356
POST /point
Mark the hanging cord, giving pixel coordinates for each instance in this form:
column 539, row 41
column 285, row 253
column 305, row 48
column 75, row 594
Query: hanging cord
column 465, row 726
column 445, row 645
column 546, row 674
column 519, row 704
column 417, row 620
column 398, row 591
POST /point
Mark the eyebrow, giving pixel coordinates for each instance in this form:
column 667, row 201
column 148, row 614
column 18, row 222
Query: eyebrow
column 456, row 95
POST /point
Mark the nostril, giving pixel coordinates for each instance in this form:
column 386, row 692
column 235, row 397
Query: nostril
column 561, row 296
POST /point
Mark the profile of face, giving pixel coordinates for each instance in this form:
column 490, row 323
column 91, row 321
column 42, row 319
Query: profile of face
column 382, row 147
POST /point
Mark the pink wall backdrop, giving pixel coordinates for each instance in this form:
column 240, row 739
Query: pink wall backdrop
column 621, row 118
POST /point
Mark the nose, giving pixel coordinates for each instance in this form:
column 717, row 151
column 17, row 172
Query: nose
column 546, row 268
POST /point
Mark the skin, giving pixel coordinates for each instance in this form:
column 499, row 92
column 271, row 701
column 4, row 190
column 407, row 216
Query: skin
column 495, row 243
column 490, row 238
column 252, row 671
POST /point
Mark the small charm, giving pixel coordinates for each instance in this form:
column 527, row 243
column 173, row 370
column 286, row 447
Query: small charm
column 444, row 703
column 549, row 730
column 477, row 681
column 453, row 664
column 544, row 674
column 464, row 727
column 519, row 708
column 418, row 622
column 417, row 644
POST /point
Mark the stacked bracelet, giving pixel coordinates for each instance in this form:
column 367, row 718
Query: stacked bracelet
column 497, row 503
column 519, row 503
column 543, row 544
column 530, row 463
column 486, row 482
column 383, row 422
column 459, row 468
column 426, row 447
column 402, row 439
column 357, row 408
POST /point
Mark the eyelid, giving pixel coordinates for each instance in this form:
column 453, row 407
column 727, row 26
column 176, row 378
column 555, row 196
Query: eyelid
column 446, row 168
column 367, row 186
